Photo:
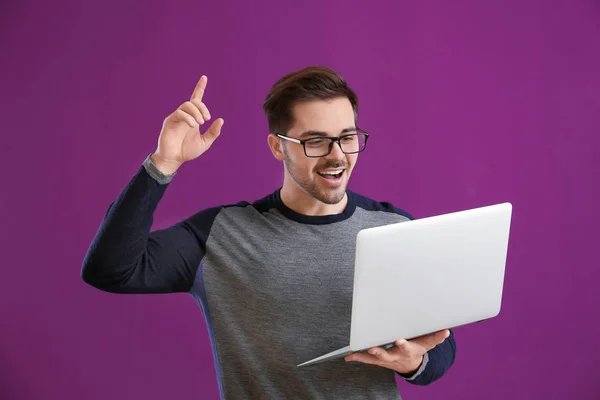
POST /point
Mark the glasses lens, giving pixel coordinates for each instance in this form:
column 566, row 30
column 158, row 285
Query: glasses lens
column 317, row 147
column 353, row 143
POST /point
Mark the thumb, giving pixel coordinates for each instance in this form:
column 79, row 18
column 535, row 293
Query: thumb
column 214, row 131
column 405, row 347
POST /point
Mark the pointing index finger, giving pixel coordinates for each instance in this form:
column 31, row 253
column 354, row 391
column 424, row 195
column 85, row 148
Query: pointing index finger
column 200, row 87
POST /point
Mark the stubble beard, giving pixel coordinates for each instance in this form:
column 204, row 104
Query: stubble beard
column 326, row 195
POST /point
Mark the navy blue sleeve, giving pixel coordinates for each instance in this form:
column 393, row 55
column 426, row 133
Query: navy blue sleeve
column 441, row 359
column 126, row 257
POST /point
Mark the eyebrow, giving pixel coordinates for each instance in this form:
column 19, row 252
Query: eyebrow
column 319, row 133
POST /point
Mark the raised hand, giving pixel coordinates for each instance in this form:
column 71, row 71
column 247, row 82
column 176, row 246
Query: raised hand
column 180, row 139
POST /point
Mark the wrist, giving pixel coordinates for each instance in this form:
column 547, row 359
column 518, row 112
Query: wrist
column 412, row 368
column 164, row 167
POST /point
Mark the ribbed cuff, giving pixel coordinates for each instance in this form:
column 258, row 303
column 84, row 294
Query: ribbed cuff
column 421, row 368
column 155, row 172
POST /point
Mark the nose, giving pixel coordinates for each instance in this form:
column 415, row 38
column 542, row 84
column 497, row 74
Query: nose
column 336, row 151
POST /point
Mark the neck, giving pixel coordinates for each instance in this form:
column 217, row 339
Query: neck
column 303, row 203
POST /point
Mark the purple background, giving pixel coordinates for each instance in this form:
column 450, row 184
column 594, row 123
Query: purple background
column 468, row 103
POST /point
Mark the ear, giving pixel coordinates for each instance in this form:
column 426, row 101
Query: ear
column 275, row 146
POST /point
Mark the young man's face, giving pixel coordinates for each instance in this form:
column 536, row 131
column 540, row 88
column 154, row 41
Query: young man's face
column 313, row 119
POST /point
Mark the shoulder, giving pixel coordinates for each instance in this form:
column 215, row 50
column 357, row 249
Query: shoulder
column 369, row 204
column 205, row 218
column 237, row 209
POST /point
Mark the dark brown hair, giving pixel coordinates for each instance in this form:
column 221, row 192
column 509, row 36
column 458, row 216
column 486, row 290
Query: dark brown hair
column 309, row 83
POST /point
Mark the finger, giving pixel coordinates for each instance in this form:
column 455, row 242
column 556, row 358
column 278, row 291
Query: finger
column 363, row 358
column 440, row 336
column 191, row 109
column 407, row 349
column 182, row 116
column 203, row 109
column 403, row 346
column 214, row 131
column 432, row 340
column 381, row 354
column 200, row 87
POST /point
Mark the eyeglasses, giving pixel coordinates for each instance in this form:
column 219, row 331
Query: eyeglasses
column 322, row 146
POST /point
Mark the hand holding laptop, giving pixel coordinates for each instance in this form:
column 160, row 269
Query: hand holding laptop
column 405, row 357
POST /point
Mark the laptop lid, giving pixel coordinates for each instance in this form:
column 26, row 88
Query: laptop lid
column 417, row 277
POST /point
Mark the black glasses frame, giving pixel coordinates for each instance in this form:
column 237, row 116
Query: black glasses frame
column 331, row 143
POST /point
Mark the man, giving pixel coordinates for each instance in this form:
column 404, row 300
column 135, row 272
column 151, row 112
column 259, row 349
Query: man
column 273, row 277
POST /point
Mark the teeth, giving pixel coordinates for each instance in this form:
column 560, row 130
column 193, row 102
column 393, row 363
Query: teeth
column 332, row 172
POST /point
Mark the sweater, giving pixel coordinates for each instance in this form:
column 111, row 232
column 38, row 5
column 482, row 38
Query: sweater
column 274, row 287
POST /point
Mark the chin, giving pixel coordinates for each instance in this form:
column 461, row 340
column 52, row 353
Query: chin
column 331, row 196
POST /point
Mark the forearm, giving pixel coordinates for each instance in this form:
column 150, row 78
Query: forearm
column 120, row 244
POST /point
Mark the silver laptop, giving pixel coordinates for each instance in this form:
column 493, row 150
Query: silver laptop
column 418, row 277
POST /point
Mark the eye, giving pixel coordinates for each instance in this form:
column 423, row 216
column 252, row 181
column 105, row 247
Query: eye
column 316, row 142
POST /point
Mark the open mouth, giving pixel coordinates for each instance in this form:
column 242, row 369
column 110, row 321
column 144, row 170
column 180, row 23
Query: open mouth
column 332, row 176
